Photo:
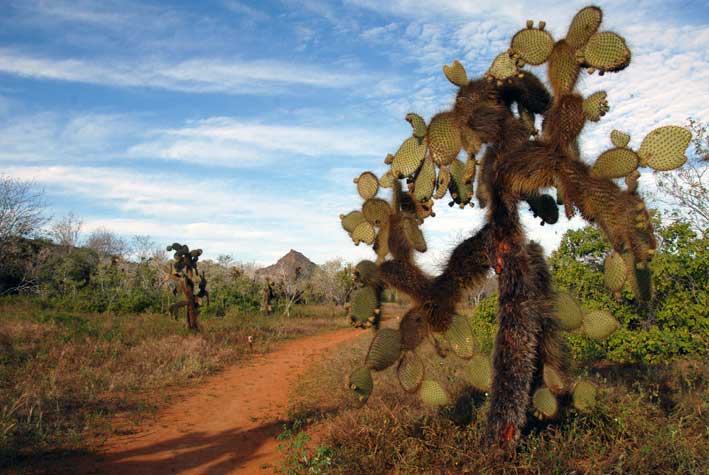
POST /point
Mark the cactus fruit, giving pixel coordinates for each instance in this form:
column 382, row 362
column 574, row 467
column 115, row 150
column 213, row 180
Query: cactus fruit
column 545, row 404
column 504, row 67
column 443, row 137
column 663, row 148
column 384, row 350
column 360, row 382
column 479, row 372
column 351, row 220
column 605, row 51
column 614, row 271
column 599, row 324
column 376, row 211
column 410, row 372
column 595, row 106
column 553, row 380
column 615, row 163
column 364, row 232
column 545, row 207
column 418, row 124
column 367, row 185
column 365, row 303
column 460, row 337
column 456, row 73
column 583, row 26
column 568, row 311
column 433, row 394
column 387, row 180
column 584, row 396
column 619, row 139
column 532, row 45
column 408, row 158
column 442, row 182
column 425, row 181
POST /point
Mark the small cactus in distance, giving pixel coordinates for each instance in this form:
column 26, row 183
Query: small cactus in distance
column 183, row 272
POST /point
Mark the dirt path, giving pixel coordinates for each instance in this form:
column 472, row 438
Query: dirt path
column 225, row 426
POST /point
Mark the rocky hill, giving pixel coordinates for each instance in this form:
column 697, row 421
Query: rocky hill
column 287, row 265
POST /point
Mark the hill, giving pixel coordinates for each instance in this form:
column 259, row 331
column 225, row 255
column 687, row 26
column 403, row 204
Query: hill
column 286, row 266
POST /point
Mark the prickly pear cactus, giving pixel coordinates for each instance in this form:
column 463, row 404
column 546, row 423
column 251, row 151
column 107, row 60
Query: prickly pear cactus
column 528, row 372
column 182, row 271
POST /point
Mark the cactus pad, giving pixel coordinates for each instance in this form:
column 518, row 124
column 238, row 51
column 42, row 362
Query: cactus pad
column 532, row 45
column 425, row 180
column 433, row 394
column 461, row 193
column 568, row 311
column 384, row 350
column 367, row 185
column 442, row 182
column 469, row 170
column 460, row 337
column 595, row 106
column 584, row 396
column 456, row 73
column 360, row 382
column 364, row 232
column 365, row 303
column 503, row 67
column 545, row 404
column 663, row 148
column 365, row 272
column 413, row 234
column 599, row 324
column 376, row 211
column 614, row 271
column 408, row 158
column 639, row 281
column 479, row 373
column 413, row 330
column 585, row 23
column 351, row 220
column 418, row 124
column 553, row 380
column 605, row 51
column 387, row 180
column 563, row 68
column 410, row 372
column 615, row 163
column 443, row 138
column 619, row 139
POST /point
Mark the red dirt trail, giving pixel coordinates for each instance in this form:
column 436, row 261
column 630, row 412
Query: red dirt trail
column 225, row 426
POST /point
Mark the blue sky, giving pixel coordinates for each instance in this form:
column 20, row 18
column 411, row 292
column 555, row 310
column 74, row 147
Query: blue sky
column 237, row 126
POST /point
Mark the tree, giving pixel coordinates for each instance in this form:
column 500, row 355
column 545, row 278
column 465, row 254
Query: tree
column 687, row 187
column 65, row 231
column 107, row 243
column 183, row 272
column 143, row 247
column 21, row 208
column 334, row 281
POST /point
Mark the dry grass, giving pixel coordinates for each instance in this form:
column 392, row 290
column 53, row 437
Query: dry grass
column 64, row 378
column 649, row 420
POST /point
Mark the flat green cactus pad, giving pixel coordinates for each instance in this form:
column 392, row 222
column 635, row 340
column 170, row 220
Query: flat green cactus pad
column 599, row 324
column 442, row 182
column 614, row 271
column 595, row 106
column 408, row 158
column 433, row 394
column 619, row 139
column 605, row 51
column 460, row 337
column 443, row 138
column 410, row 372
column 584, row 396
column 545, row 404
column 376, row 211
column 553, row 380
column 425, row 181
column 568, row 311
column 365, row 272
column 364, row 232
column 532, row 45
column 615, row 163
column 384, row 350
column 367, row 185
column 387, row 180
column 563, row 68
column 361, row 384
column 461, row 192
column 479, row 373
column 469, row 171
column 503, row 67
column 418, row 124
column 351, row 220
column 381, row 244
column 456, row 73
column 585, row 23
column 663, row 148
column 365, row 302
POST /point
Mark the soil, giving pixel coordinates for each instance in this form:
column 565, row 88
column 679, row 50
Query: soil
column 227, row 425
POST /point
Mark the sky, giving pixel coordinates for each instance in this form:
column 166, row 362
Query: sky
column 238, row 126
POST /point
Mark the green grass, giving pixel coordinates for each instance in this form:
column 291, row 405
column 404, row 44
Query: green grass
column 649, row 420
column 65, row 378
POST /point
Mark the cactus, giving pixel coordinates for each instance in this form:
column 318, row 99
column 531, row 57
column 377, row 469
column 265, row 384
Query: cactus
column 183, row 272
column 530, row 363
column 361, row 384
